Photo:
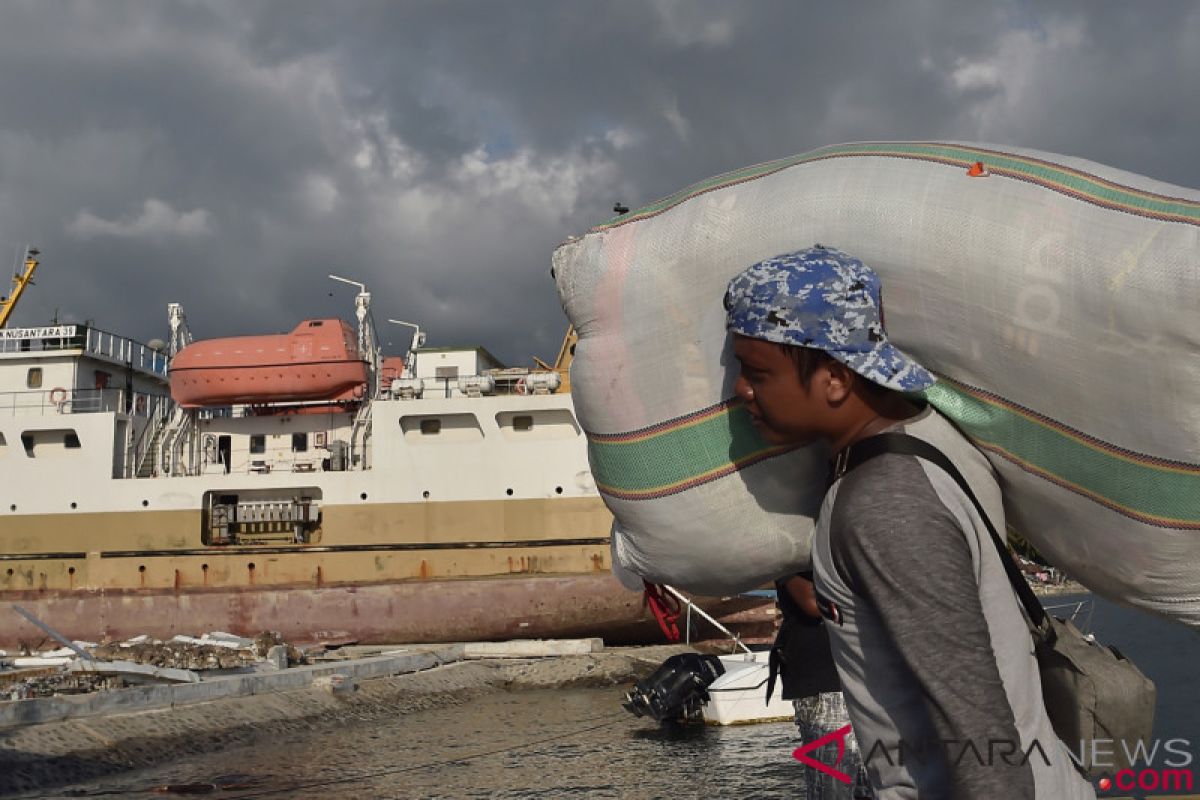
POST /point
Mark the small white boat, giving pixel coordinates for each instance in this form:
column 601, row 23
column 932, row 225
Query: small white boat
column 738, row 697
column 692, row 688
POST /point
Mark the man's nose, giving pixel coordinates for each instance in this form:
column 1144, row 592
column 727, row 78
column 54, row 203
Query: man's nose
column 742, row 389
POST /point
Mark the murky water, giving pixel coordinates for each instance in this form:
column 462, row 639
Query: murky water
column 579, row 743
column 553, row 743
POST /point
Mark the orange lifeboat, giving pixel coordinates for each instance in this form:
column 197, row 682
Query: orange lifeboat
column 317, row 361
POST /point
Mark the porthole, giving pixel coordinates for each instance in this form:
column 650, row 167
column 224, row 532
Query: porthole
column 141, row 567
column 74, row 505
column 204, row 567
column 70, row 570
column 508, row 492
column 145, row 503
column 250, row 566
column 424, row 494
column 558, row 490
column 363, row 496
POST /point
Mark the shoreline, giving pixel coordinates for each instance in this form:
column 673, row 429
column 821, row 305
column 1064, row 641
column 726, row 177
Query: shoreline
column 37, row 757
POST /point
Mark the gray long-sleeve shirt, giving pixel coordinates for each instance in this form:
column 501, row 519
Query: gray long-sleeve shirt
column 932, row 648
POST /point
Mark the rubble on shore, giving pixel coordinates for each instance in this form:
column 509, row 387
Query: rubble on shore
column 141, row 659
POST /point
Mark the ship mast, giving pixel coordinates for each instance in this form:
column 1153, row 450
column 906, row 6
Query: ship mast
column 20, row 281
column 181, row 334
column 367, row 347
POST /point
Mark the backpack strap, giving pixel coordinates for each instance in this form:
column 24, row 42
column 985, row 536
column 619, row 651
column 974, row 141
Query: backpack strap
column 902, row 444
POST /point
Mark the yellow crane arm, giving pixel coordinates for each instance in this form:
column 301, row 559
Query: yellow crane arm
column 20, row 281
column 562, row 364
column 566, row 354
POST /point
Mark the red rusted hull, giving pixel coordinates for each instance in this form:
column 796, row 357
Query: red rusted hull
column 426, row 611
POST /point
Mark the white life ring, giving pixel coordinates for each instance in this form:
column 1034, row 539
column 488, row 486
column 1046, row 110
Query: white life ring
column 58, row 397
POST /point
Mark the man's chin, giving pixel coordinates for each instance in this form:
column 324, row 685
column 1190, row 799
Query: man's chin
column 776, row 438
column 773, row 437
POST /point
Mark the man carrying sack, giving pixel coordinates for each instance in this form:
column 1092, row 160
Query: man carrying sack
column 931, row 645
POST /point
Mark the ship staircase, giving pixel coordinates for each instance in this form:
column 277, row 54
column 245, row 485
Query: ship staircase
column 360, row 436
column 160, row 448
column 178, row 434
column 144, row 448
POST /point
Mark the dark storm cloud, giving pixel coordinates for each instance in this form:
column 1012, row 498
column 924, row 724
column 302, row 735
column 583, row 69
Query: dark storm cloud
column 230, row 155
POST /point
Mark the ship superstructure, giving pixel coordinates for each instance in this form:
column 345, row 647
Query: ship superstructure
column 305, row 483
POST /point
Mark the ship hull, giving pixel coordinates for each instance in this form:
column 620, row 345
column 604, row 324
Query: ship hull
column 405, row 612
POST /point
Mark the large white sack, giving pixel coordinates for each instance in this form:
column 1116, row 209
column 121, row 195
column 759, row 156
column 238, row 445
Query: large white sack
column 1058, row 298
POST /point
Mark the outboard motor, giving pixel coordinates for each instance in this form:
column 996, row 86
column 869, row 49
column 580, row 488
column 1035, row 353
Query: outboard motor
column 676, row 690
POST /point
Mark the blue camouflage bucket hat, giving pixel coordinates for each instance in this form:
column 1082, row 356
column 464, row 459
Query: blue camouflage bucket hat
column 827, row 300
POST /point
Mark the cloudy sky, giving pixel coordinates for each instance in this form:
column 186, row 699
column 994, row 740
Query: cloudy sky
column 229, row 155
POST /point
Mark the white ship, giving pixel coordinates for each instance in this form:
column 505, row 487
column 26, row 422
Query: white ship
column 302, row 483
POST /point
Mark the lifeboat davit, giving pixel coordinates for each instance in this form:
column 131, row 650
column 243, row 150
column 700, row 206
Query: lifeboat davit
column 318, row 361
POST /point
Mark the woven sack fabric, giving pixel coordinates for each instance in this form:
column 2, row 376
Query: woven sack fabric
column 1055, row 298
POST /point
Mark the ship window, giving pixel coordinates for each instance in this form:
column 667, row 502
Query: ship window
column 258, row 443
column 49, row 443
column 441, row 429
column 550, row 423
column 299, row 442
column 33, row 380
column 316, row 323
column 449, row 373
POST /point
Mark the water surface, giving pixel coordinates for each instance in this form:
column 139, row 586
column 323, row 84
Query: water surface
column 579, row 743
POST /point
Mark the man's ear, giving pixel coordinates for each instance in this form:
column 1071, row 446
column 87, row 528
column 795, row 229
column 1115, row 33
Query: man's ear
column 841, row 382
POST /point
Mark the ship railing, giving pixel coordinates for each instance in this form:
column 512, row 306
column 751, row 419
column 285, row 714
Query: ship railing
column 125, row 350
column 96, row 342
column 40, row 402
column 500, row 382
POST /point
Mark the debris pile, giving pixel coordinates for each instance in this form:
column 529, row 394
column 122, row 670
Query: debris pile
column 208, row 652
column 57, row 683
column 85, row 667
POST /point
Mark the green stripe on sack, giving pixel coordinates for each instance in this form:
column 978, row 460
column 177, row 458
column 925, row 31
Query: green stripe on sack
column 1083, row 186
column 685, row 455
column 1159, row 493
column 677, row 456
